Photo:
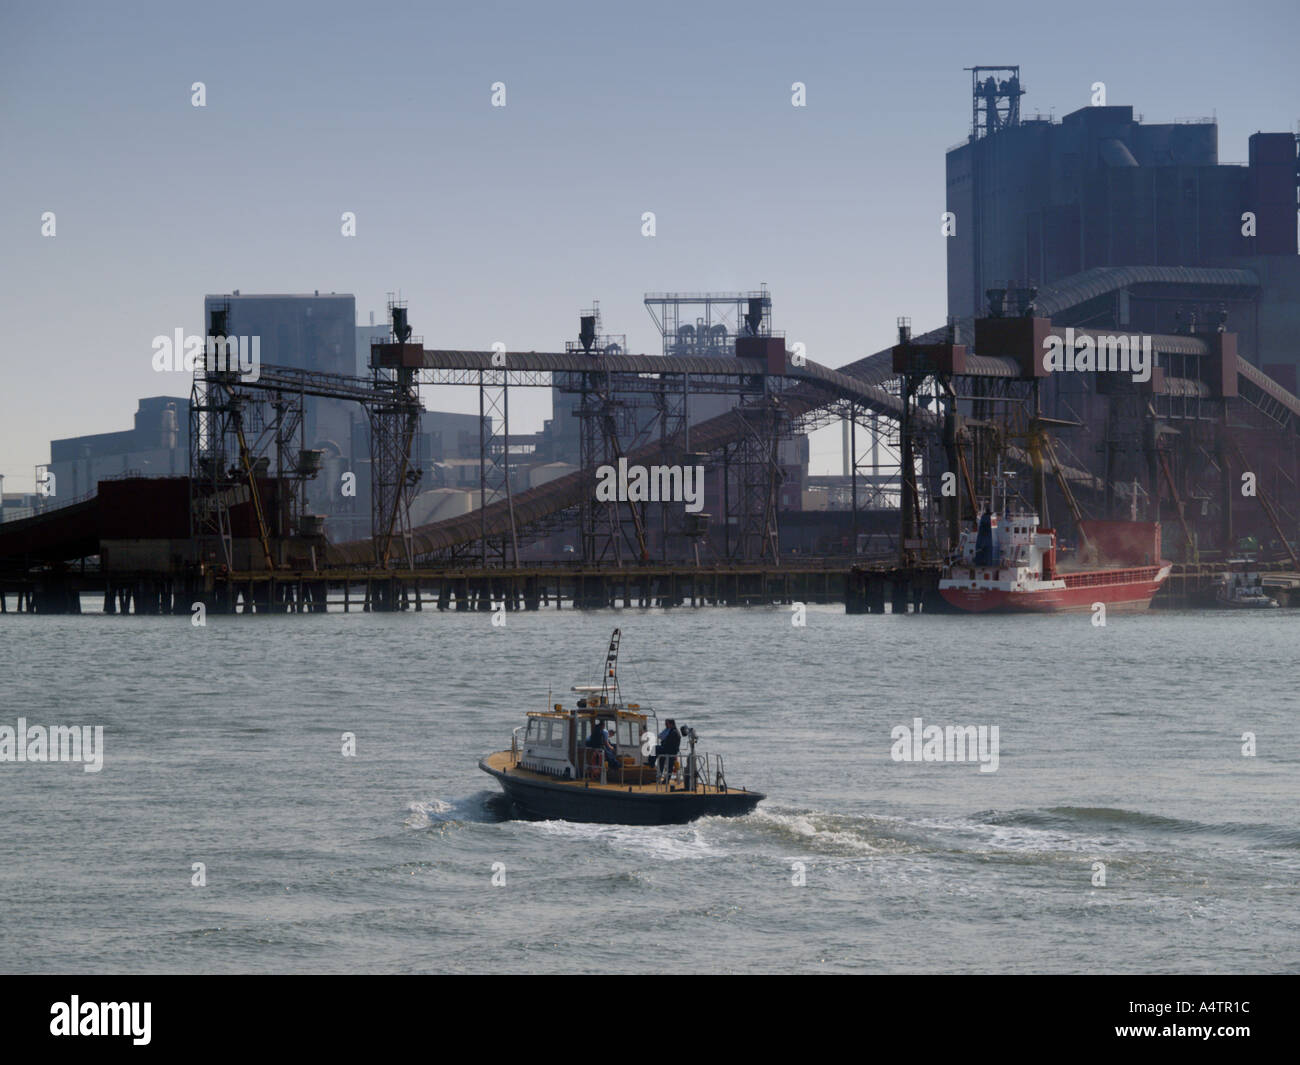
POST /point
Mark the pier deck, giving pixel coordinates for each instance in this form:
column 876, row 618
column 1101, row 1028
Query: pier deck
column 863, row 588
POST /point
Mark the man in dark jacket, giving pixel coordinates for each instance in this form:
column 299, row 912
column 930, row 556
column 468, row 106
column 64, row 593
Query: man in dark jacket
column 670, row 742
column 599, row 741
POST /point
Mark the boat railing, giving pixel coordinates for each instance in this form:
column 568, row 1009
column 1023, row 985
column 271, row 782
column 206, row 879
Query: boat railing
column 672, row 772
column 695, row 771
column 691, row 772
column 515, row 744
column 667, row 767
column 595, row 766
column 719, row 773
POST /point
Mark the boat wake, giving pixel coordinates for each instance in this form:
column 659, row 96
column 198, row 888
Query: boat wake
column 1129, row 823
column 482, row 807
column 1032, row 833
column 818, row 833
column 665, row 843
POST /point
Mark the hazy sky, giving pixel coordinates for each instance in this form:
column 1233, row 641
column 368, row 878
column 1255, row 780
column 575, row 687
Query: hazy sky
column 501, row 223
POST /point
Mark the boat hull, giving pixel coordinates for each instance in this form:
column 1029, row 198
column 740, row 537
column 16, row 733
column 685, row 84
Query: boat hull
column 1080, row 593
column 540, row 799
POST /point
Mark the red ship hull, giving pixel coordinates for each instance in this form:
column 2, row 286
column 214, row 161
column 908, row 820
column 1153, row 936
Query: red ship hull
column 1118, row 589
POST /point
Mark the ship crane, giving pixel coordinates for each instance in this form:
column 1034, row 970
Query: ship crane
column 1038, row 443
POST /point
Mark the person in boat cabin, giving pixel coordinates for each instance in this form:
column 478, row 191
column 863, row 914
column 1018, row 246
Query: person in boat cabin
column 599, row 741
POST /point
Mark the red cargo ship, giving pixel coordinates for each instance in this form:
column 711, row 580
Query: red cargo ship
column 1010, row 564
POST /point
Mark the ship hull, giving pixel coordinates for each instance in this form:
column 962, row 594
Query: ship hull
column 1131, row 592
column 540, row 799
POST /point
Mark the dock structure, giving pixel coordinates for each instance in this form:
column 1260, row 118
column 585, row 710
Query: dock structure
column 531, row 588
column 467, row 588
column 906, row 589
column 870, row 588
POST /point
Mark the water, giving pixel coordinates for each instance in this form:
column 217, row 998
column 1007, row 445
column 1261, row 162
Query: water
column 1119, row 745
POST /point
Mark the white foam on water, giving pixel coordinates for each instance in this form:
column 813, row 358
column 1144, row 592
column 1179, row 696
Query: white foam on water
column 817, row 831
column 427, row 812
column 665, row 843
column 1022, row 838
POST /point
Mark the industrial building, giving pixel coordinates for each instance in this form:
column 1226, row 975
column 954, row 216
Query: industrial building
column 1096, row 229
column 1037, row 201
column 157, row 446
column 16, row 505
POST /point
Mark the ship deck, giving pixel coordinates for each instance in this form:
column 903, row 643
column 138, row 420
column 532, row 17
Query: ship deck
column 1081, row 578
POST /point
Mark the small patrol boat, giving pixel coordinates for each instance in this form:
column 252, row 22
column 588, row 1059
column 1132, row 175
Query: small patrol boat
column 1240, row 589
column 629, row 774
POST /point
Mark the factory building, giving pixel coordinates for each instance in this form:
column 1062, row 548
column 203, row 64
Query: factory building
column 15, row 505
column 1034, row 201
column 157, row 446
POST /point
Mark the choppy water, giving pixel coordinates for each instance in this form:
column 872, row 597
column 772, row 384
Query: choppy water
column 1119, row 745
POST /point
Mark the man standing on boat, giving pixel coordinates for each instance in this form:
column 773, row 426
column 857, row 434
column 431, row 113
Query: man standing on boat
column 670, row 742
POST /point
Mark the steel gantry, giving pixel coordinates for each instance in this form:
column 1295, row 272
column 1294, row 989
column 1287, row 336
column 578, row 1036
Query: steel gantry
column 241, row 424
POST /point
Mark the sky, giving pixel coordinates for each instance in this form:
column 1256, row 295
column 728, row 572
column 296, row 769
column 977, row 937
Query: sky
column 502, row 223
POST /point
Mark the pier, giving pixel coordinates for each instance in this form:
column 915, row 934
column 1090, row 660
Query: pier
column 470, row 588
column 870, row 588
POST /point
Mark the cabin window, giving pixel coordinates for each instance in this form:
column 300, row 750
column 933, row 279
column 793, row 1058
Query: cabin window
column 557, row 733
column 532, row 732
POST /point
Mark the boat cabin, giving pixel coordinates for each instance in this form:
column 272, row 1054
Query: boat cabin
column 1011, row 551
column 554, row 742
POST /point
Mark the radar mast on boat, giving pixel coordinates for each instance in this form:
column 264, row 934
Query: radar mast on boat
column 610, row 681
